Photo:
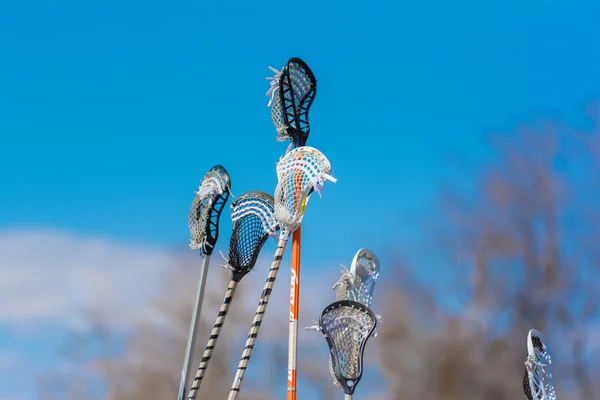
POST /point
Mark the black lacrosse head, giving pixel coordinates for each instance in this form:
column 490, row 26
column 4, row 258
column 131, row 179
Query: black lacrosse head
column 253, row 223
column 297, row 91
column 204, row 215
column 347, row 325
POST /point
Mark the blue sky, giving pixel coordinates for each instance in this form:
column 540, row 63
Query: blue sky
column 112, row 111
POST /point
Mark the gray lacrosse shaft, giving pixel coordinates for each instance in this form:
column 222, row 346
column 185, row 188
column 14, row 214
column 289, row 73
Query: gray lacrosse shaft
column 189, row 351
column 212, row 341
column 258, row 317
column 347, row 397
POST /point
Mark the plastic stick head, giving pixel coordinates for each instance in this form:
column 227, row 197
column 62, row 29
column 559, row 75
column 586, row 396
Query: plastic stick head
column 347, row 325
column 364, row 271
column 299, row 171
column 292, row 93
column 358, row 284
column 203, row 218
column 537, row 380
column 253, row 223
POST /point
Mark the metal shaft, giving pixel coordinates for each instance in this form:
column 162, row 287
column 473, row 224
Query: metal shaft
column 189, row 351
column 347, row 397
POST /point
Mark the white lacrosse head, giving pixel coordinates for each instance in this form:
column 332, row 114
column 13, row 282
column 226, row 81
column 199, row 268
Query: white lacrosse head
column 539, row 385
column 215, row 183
column 358, row 284
column 299, row 171
column 364, row 271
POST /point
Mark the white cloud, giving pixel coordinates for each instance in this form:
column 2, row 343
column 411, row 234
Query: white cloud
column 50, row 277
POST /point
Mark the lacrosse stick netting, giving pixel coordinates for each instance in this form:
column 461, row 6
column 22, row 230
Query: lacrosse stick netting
column 307, row 169
column 203, row 221
column 292, row 93
column 346, row 326
column 537, row 380
column 253, row 223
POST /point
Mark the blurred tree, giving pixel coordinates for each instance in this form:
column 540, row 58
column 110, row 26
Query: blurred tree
column 521, row 242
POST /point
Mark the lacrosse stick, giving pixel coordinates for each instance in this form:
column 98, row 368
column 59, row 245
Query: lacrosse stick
column 346, row 326
column 537, row 380
column 203, row 221
column 298, row 172
column 253, row 223
column 292, row 93
column 358, row 284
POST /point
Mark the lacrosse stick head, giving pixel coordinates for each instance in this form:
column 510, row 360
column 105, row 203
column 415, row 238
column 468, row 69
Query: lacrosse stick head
column 299, row 172
column 204, row 215
column 346, row 326
column 364, row 271
column 253, row 223
column 358, row 284
column 293, row 91
column 537, row 380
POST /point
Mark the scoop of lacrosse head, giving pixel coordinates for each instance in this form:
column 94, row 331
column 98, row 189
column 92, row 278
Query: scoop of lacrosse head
column 292, row 93
column 346, row 326
column 537, row 380
column 204, row 215
column 253, row 223
column 300, row 171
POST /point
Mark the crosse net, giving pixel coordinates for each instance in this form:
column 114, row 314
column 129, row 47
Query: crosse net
column 346, row 326
column 537, row 380
column 299, row 172
column 203, row 218
column 253, row 222
column 292, row 92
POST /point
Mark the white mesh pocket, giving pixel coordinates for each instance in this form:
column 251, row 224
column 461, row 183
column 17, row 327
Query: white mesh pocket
column 299, row 171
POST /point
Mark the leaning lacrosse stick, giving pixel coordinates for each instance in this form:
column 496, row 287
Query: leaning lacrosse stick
column 203, row 220
column 253, row 223
column 346, row 326
column 292, row 93
column 537, row 380
column 299, row 171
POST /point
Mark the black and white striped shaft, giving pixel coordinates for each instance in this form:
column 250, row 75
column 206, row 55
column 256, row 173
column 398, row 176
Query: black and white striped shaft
column 212, row 341
column 258, row 318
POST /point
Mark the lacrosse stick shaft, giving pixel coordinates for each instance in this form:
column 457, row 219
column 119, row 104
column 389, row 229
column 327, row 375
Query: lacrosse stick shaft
column 212, row 341
column 294, row 310
column 347, row 397
column 189, row 351
column 258, row 318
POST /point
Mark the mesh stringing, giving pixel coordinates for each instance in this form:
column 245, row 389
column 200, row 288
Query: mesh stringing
column 539, row 372
column 348, row 328
column 252, row 216
column 365, row 276
column 301, row 84
column 298, row 172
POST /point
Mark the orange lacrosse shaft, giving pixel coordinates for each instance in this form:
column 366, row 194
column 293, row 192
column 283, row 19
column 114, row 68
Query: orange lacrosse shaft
column 294, row 311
